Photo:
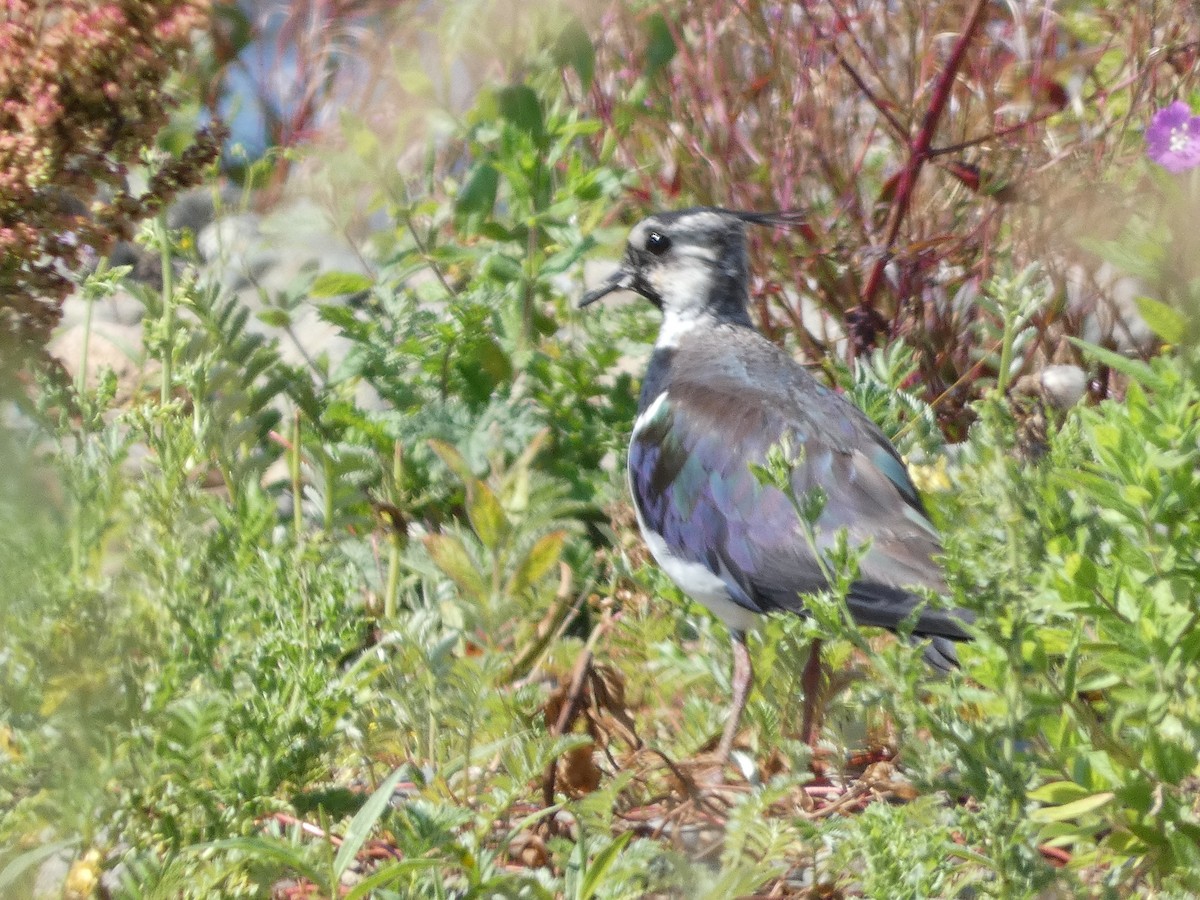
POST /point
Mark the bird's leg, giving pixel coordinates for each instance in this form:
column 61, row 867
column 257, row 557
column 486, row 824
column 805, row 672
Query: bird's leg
column 810, row 681
column 743, row 678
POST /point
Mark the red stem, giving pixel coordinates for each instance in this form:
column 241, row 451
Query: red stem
column 919, row 150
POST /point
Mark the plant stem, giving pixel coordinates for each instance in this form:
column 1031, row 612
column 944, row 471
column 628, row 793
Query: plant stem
column 396, row 544
column 1006, row 349
column 81, row 381
column 327, row 465
column 919, row 149
column 168, row 299
column 530, row 275
column 297, row 487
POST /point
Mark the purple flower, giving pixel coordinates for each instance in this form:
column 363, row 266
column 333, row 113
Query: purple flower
column 1173, row 138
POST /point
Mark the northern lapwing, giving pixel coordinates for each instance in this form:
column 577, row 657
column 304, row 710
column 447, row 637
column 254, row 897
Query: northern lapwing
column 717, row 396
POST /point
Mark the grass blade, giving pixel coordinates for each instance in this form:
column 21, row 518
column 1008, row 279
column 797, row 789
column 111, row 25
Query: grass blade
column 364, row 821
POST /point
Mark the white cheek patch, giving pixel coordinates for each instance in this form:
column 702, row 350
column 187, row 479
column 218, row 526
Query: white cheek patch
column 684, row 289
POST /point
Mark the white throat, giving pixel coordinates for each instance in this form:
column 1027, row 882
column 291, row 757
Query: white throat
column 677, row 323
column 685, row 289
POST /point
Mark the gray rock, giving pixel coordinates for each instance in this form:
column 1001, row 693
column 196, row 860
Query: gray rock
column 51, row 876
column 304, row 240
column 122, row 308
column 234, row 252
column 1063, row 385
column 258, row 258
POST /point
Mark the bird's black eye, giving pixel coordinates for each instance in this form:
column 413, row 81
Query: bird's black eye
column 657, row 243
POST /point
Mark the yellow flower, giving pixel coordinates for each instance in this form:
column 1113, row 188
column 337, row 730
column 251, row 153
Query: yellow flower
column 83, row 877
column 8, row 746
column 930, row 479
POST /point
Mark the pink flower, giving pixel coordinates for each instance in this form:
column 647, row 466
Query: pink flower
column 1173, row 138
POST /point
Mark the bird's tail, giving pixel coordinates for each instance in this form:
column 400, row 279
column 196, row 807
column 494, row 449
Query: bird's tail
column 938, row 629
column 939, row 653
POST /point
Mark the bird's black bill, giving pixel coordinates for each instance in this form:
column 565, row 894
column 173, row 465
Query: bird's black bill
column 619, row 280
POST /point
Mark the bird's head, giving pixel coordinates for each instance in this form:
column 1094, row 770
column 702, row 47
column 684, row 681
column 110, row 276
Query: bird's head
column 691, row 264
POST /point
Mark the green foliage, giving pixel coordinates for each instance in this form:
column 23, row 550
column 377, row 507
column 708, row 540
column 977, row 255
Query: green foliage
column 898, row 852
column 262, row 631
column 1082, row 567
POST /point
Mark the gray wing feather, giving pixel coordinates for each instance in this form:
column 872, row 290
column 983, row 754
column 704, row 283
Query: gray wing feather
column 690, row 475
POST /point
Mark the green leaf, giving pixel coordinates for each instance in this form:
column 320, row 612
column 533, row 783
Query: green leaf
column 502, row 267
column 1059, row 792
column 1135, row 369
column 486, row 515
column 1099, row 682
column 525, row 460
column 389, row 873
column 1072, row 810
column 492, row 360
column 660, row 46
column 599, row 866
column 574, row 48
column 451, row 556
column 1165, row 321
column 1141, row 256
column 336, row 314
column 262, row 849
column 454, row 460
column 521, row 106
column 478, row 196
column 334, row 284
column 361, row 825
column 540, row 559
column 275, row 317
column 494, row 231
column 1135, row 495
column 564, row 259
column 337, row 802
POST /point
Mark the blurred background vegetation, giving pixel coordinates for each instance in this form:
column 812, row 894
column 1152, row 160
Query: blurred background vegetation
column 327, row 583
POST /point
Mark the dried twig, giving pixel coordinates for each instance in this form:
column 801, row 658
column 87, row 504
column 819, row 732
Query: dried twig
column 574, row 695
